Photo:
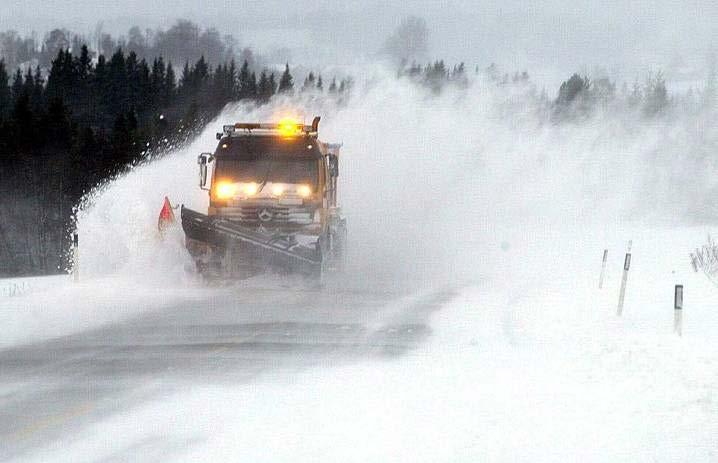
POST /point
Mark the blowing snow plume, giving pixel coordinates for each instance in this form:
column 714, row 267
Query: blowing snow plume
column 468, row 183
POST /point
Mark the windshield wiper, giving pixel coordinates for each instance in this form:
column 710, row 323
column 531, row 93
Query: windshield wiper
column 266, row 176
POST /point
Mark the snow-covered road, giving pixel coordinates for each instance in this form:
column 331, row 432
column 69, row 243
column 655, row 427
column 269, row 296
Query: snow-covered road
column 55, row 393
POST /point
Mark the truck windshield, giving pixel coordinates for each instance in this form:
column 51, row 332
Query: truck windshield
column 269, row 169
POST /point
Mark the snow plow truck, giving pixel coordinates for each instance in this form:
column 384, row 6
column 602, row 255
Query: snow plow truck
column 272, row 203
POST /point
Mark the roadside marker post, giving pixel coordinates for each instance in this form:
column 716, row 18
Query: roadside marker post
column 603, row 268
column 75, row 258
column 626, row 267
column 678, row 310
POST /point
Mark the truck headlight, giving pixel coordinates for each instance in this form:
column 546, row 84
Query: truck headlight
column 225, row 190
column 250, row 189
column 304, row 191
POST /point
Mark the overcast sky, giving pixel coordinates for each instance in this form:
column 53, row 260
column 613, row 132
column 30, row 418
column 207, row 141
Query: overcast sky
column 624, row 37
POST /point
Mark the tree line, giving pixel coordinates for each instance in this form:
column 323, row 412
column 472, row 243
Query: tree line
column 436, row 75
column 183, row 41
column 580, row 96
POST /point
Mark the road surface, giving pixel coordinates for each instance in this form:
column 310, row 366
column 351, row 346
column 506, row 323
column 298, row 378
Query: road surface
column 50, row 391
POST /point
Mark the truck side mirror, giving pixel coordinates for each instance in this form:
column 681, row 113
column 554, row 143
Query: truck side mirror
column 203, row 160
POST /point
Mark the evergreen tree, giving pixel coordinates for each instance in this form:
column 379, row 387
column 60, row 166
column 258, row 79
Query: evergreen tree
column 116, row 95
column 84, row 64
column 38, row 90
column 24, row 124
column 170, row 84
column 57, row 126
column 100, row 76
column 460, row 78
column 309, row 82
column 59, row 79
column 17, row 86
column 320, row 83
column 200, row 73
column 132, row 123
column 572, row 89
column 5, row 95
column 186, row 77
column 272, row 84
column 144, row 85
column 655, row 95
column 333, row 86
column 253, row 85
column 232, row 80
column 219, row 85
column 264, row 88
column 157, row 79
column 225, row 84
column 286, row 82
column 85, row 158
column 121, row 142
column 28, row 86
column 133, row 79
column 99, row 93
column 245, row 85
column 636, row 96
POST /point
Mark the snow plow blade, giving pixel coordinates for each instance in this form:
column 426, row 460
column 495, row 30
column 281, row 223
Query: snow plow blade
column 272, row 249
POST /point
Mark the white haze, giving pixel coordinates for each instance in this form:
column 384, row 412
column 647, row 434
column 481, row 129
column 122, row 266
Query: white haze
column 444, row 188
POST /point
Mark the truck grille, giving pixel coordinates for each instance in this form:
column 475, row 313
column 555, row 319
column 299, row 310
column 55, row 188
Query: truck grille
column 270, row 215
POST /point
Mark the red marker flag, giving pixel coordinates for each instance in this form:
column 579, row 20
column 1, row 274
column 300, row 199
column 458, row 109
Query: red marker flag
column 167, row 216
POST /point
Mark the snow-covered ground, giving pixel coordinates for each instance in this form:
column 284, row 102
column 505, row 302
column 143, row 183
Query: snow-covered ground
column 543, row 371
